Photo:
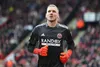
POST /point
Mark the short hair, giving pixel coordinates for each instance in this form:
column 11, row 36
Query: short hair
column 53, row 5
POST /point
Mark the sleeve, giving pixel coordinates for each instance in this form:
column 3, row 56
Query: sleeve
column 69, row 39
column 32, row 41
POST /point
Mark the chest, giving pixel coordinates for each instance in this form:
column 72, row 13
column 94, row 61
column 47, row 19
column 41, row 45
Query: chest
column 54, row 33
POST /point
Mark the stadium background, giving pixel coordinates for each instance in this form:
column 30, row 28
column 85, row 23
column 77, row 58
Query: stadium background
column 18, row 18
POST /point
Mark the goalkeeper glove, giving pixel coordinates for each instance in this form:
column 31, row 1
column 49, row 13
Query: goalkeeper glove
column 65, row 56
column 42, row 51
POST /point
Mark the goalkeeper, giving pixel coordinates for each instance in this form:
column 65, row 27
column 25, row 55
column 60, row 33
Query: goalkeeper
column 50, row 36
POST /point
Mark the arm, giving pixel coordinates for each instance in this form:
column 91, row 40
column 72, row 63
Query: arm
column 69, row 40
column 32, row 41
column 66, row 55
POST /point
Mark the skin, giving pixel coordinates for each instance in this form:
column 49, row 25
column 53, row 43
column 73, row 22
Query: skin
column 52, row 15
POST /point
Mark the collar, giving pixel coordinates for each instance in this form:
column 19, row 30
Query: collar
column 57, row 25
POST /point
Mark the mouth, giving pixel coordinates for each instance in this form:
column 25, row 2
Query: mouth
column 51, row 16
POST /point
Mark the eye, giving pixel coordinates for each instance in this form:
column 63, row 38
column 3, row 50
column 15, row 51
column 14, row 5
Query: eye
column 54, row 11
column 49, row 10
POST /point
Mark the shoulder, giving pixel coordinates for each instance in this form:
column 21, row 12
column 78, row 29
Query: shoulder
column 40, row 25
column 63, row 26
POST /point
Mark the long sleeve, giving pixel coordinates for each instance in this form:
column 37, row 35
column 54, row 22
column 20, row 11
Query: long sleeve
column 32, row 41
column 69, row 40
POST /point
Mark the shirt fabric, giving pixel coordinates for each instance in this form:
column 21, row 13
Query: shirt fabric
column 53, row 37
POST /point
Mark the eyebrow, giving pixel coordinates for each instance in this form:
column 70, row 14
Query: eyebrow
column 52, row 10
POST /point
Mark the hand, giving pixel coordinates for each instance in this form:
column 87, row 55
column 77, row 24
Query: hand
column 42, row 51
column 65, row 56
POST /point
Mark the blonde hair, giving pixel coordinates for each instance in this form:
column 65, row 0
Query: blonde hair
column 53, row 5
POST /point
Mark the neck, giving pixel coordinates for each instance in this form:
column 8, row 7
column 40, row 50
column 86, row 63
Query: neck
column 52, row 24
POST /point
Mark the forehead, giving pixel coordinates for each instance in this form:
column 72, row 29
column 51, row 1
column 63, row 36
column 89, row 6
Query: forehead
column 53, row 8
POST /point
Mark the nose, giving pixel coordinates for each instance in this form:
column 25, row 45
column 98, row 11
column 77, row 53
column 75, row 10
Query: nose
column 51, row 13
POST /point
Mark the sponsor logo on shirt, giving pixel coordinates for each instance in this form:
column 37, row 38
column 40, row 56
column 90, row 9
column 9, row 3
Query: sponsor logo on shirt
column 50, row 42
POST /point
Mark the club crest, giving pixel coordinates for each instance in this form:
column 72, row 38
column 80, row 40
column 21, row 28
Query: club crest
column 59, row 35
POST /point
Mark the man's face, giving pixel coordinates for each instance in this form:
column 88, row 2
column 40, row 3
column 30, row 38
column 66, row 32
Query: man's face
column 52, row 14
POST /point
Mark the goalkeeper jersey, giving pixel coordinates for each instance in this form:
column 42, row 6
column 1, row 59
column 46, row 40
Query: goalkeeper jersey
column 53, row 37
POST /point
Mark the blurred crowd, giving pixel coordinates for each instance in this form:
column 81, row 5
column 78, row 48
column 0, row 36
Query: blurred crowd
column 87, row 52
column 22, row 58
column 18, row 18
